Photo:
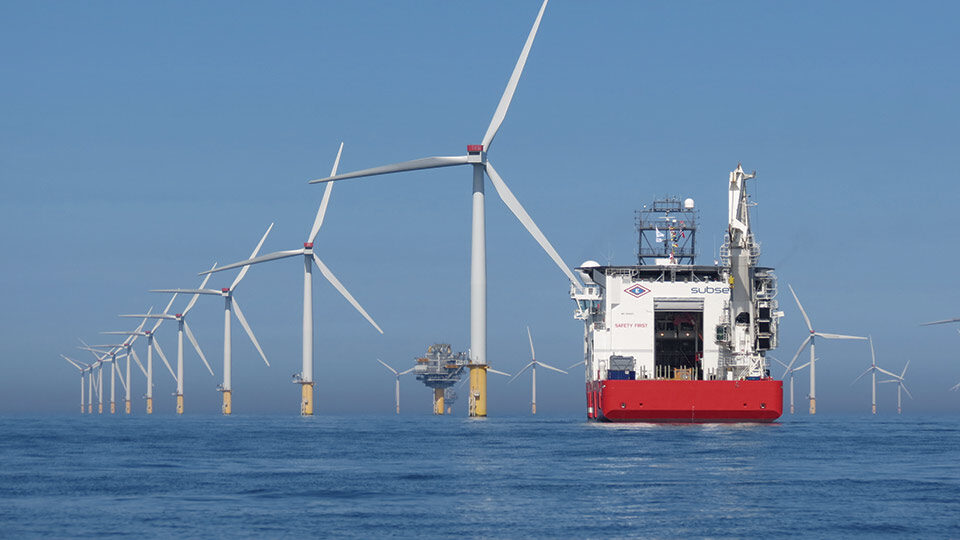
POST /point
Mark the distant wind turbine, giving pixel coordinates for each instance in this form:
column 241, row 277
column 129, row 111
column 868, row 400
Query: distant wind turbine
column 396, row 375
column 476, row 158
column 900, row 384
column 305, row 377
column 532, row 366
column 151, row 345
column 873, row 370
column 83, row 369
column 182, row 327
column 230, row 306
column 813, row 360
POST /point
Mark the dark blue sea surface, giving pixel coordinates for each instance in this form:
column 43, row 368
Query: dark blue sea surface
column 425, row 476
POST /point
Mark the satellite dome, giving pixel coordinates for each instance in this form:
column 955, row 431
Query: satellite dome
column 586, row 275
column 589, row 264
column 688, row 204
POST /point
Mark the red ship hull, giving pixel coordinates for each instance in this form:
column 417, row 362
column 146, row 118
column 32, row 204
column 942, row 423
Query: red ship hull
column 685, row 401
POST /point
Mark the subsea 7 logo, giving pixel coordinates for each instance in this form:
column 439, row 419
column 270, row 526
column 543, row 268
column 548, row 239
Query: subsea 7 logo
column 636, row 290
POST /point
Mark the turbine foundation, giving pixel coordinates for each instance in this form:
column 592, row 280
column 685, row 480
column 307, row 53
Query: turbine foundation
column 813, row 405
column 306, row 400
column 874, row 407
column 126, row 406
column 478, row 390
column 113, row 408
column 179, row 403
column 227, row 405
column 100, row 408
column 149, row 405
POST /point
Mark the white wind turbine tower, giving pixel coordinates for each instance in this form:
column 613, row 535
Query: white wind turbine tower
column 230, row 306
column 127, row 345
column 873, row 369
column 813, row 360
column 83, row 368
column 789, row 372
column 181, row 327
column 533, row 367
column 151, row 345
column 477, row 158
column 397, row 375
column 305, row 377
column 900, row 385
column 109, row 355
column 98, row 365
column 945, row 321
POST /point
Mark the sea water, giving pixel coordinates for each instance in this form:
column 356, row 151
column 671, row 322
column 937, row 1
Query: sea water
column 503, row 477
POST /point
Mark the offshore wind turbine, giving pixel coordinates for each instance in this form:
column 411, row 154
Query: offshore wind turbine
column 811, row 340
column 99, row 375
column 397, row 375
column 151, row 345
column 128, row 347
column 533, row 367
column 83, row 368
column 182, row 327
column 476, row 158
column 873, row 369
column 230, row 306
column 305, row 377
column 900, row 384
column 110, row 355
column 790, row 372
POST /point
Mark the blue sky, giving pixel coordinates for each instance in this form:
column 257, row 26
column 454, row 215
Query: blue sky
column 141, row 142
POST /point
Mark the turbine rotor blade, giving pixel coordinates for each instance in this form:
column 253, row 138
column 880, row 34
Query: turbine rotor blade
column 156, row 347
column 869, row 369
column 322, row 211
column 186, row 291
column 414, row 165
column 525, row 368
column 577, row 364
column 76, row 365
column 514, row 205
column 491, row 370
column 799, row 305
column 137, row 360
column 193, row 340
column 800, row 350
column 533, row 355
column 256, row 250
column 507, row 96
column 406, row 371
column 343, row 290
column 193, row 299
column 246, row 326
column 388, row 367
column 548, row 366
column 885, row 372
column 945, row 321
column 905, row 389
column 262, row 258
column 838, row 336
column 905, row 369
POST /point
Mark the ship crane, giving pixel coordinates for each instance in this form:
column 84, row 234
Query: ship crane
column 741, row 252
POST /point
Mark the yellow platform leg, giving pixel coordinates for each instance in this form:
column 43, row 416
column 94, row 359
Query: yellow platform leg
column 90, row 408
column 126, row 406
column 179, row 403
column 113, row 408
column 813, row 405
column 306, row 400
column 99, row 408
column 227, row 404
column 478, row 391
column 149, row 405
column 438, row 401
